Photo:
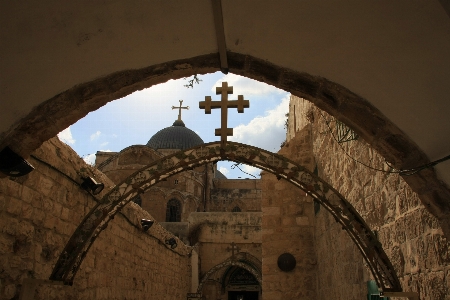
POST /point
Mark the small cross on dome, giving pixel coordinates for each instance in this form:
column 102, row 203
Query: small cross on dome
column 180, row 108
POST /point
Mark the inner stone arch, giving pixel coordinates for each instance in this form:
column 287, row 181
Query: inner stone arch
column 227, row 267
column 97, row 219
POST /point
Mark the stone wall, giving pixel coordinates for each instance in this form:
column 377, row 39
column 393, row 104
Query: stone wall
column 287, row 225
column 40, row 211
column 227, row 194
column 218, row 230
column 410, row 235
column 340, row 267
column 215, row 232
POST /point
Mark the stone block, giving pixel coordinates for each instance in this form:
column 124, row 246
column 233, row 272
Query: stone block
column 9, row 291
column 38, row 216
column 46, row 185
column 27, row 194
column 270, row 211
column 25, row 230
column 50, row 222
column 57, row 207
column 27, row 211
column 14, row 206
column 65, row 212
column 6, row 244
column 47, row 204
column 302, row 221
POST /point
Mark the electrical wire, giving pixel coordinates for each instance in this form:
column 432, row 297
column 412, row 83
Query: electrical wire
column 407, row 172
column 55, row 169
column 236, row 165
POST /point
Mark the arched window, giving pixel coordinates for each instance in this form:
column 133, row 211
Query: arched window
column 236, row 209
column 173, row 211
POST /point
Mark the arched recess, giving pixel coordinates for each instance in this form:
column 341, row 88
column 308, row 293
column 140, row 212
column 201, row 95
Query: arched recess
column 246, row 258
column 97, row 219
column 173, row 210
column 238, row 203
column 236, row 209
column 64, row 109
column 239, row 261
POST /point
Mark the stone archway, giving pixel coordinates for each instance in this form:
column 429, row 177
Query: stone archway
column 97, row 219
column 57, row 113
column 227, row 263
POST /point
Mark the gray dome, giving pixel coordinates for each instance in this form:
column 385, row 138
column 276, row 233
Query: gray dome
column 176, row 136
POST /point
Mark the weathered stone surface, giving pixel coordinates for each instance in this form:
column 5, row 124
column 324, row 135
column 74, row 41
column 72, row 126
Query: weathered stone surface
column 411, row 236
column 231, row 193
column 43, row 209
column 287, row 229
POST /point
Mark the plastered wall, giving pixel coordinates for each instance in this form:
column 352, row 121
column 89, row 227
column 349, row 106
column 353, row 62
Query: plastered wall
column 40, row 211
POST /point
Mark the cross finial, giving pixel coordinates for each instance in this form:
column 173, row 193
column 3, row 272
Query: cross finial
column 224, row 104
column 180, row 108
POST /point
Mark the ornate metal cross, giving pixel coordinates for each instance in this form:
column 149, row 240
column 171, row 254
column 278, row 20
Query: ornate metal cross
column 232, row 249
column 224, row 104
column 180, row 108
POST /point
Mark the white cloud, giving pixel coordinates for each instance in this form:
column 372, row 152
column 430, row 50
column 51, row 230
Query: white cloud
column 224, row 171
column 251, row 170
column 264, row 132
column 246, row 86
column 89, row 159
column 104, row 144
column 96, row 135
column 66, row 136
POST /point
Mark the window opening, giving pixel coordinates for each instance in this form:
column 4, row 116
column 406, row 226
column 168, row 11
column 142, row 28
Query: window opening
column 176, row 181
column 236, row 209
column 173, row 212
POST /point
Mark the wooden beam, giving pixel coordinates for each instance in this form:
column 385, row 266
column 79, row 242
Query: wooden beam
column 220, row 34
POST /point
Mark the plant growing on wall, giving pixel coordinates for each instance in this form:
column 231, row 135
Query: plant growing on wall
column 195, row 80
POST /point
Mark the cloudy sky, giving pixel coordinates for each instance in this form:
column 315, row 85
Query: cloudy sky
column 134, row 119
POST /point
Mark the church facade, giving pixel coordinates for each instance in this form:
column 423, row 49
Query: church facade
column 220, row 217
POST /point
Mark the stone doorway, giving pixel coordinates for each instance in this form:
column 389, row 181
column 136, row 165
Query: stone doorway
column 242, row 295
column 241, row 284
